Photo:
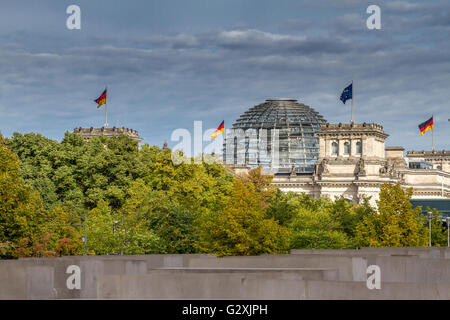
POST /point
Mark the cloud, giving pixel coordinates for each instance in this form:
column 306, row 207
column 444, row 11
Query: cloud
column 405, row 7
column 162, row 81
column 342, row 4
column 259, row 42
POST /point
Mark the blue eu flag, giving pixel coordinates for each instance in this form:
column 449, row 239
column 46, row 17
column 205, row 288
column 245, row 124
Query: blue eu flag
column 347, row 93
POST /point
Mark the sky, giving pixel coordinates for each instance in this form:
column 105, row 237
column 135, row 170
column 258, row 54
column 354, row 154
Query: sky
column 168, row 63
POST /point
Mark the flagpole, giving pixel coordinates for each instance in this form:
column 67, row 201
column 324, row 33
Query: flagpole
column 432, row 134
column 106, row 108
column 353, row 98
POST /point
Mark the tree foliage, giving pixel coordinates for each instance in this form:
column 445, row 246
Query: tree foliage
column 138, row 201
column 109, row 232
column 396, row 224
column 439, row 236
column 21, row 212
column 76, row 173
column 318, row 223
column 241, row 226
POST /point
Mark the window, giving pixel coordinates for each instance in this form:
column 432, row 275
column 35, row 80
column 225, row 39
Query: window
column 358, row 147
column 247, row 145
column 235, row 153
column 334, row 148
column 347, row 148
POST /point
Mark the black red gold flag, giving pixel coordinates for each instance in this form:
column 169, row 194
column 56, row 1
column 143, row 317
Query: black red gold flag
column 101, row 100
column 427, row 125
column 219, row 130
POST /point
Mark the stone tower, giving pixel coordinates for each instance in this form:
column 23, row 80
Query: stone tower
column 352, row 160
column 88, row 133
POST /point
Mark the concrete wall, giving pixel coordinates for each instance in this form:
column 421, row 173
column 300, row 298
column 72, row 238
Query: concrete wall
column 347, row 268
column 406, row 273
column 422, row 252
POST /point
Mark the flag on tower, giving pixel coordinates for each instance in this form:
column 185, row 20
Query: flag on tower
column 347, row 93
column 427, row 125
column 101, row 100
column 219, row 130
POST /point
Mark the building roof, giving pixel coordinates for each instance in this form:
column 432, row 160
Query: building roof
column 279, row 113
column 429, row 154
column 296, row 125
column 394, row 148
column 336, row 129
column 88, row 133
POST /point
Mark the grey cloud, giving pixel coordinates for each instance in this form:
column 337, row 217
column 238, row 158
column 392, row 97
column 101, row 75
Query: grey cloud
column 405, row 7
column 413, row 16
column 333, row 4
column 165, row 81
column 258, row 41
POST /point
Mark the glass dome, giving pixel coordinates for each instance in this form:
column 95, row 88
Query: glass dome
column 252, row 139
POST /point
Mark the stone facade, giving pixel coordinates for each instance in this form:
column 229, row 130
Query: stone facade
column 439, row 159
column 88, row 133
column 354, row 162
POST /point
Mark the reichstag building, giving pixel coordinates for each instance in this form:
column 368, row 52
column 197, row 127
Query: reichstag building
column 306, row 154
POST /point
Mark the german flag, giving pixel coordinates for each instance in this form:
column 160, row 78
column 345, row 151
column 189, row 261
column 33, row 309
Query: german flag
column 101, row 100
column 220, row 129
column 427, row 125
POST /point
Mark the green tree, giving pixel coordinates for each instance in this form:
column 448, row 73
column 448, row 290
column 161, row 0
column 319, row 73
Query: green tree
column 438, row 229
column 316, row 230
column 174, row 227
column 241, row 226
column 319, row 224
column 104, row 168
column 349, row 214
column 77, row 173
column 106, row 234
column 396, row 224
column 22, row 216
column 36, row 154
column 283, row 207
column 155, row 212
column 190, row 186
column 64, row 240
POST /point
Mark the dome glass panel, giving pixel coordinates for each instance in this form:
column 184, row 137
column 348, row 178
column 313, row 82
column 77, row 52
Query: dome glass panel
column 252, row 140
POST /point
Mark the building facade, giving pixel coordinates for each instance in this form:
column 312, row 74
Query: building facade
column 440, row 160
column 89, row 133
column 354, row 162
column 305, row 154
